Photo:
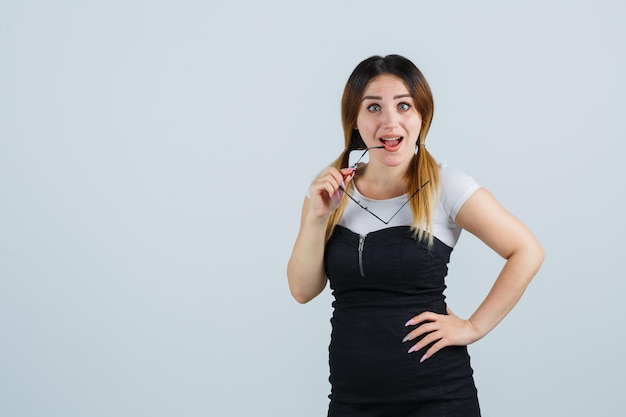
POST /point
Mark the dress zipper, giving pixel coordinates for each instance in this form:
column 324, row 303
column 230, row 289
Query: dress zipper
column 361, row 244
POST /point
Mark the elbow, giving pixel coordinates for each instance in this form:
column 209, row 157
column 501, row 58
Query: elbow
column 301, row 298
column 536, row 256
column 301, row 291
column 527, row 260
column 541, row 256
column 533, row 251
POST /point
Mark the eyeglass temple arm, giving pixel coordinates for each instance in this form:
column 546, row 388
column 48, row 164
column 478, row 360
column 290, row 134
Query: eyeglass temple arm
column 363, row 154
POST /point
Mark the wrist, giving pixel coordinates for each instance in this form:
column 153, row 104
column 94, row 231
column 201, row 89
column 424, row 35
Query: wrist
column 477, row 332
column 315, row 221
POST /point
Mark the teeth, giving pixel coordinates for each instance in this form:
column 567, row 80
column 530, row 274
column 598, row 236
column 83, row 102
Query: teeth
column 384, row 139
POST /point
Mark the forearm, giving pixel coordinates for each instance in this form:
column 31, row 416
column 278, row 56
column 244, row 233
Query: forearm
column 507, row 290
column 305, row 270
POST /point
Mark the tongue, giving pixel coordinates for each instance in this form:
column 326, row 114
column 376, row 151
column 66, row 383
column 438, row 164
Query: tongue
column 391, row 143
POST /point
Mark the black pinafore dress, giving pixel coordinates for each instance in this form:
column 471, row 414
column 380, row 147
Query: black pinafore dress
column 379, row 282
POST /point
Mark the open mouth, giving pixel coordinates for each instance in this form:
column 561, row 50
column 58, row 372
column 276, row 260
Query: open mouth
column 390, row 143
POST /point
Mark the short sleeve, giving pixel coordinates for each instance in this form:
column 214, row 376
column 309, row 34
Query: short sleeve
column 456, row 188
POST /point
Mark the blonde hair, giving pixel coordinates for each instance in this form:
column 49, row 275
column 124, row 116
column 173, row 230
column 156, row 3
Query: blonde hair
column 424, row 168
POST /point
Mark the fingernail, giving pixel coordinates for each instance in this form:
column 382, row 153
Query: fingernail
column 405, row 338
column 412, row 349
column 408, row 323
column 423, row 358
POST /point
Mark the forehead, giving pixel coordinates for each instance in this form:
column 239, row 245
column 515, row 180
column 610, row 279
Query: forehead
column 385, row 85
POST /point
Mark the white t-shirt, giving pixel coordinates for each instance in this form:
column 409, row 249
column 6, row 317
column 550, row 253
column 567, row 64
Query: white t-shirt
column 456, row 188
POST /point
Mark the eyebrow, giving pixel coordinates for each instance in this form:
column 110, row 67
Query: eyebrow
column 380, row 98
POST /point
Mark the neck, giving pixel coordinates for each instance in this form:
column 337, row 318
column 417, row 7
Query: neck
column 381, row 182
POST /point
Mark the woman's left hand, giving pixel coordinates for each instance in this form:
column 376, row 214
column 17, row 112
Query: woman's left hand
column 442, row 330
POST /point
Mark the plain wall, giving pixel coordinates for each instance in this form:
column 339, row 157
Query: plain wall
column 154, row 156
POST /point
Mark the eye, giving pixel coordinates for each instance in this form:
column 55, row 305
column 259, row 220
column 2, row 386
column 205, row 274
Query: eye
column 373, row 108
column 404, row 106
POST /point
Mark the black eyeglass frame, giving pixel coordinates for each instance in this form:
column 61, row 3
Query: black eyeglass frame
column 355, row 166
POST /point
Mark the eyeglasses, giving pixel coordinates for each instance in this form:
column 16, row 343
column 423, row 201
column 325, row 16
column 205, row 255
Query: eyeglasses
column 355, row 166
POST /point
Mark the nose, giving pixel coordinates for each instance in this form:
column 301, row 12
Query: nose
column 390, row 119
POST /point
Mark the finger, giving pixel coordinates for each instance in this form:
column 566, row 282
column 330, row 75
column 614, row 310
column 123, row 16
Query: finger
column 337, row 184
column 347, row 172
column 337, row 195
column 337, row 179
column 322, row 186
column 423, row 329
column 328, row 182
column 349, row 178
column 420, row 318
column 329, row 173
column 331, row 189
column 336, row 175
column 431, row 338
column 433, row 349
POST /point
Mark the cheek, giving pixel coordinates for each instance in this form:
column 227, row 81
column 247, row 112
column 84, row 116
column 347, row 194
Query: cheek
column 366, row 125
column 362, row 120
column 416, row 125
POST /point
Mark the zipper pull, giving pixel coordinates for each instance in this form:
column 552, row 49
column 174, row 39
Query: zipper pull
column 361, row 244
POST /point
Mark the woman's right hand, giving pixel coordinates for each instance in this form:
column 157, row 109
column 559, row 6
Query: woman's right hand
column 325, row 193
column 305, row 270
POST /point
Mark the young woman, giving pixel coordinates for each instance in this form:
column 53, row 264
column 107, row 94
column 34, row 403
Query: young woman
column 382, row 234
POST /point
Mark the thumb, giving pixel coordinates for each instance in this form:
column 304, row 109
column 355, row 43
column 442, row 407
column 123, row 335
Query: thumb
column 348, row 174
column 336, row 197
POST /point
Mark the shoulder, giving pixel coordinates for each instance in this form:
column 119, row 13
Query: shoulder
column 456, row 187
column 452, row 177
column 450, row 174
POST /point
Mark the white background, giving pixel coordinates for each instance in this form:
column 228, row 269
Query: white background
column 153, row 160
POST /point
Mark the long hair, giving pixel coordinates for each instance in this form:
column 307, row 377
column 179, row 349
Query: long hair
column 424, row 167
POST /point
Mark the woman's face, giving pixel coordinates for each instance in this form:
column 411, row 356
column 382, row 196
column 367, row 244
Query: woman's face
column 388, row 117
